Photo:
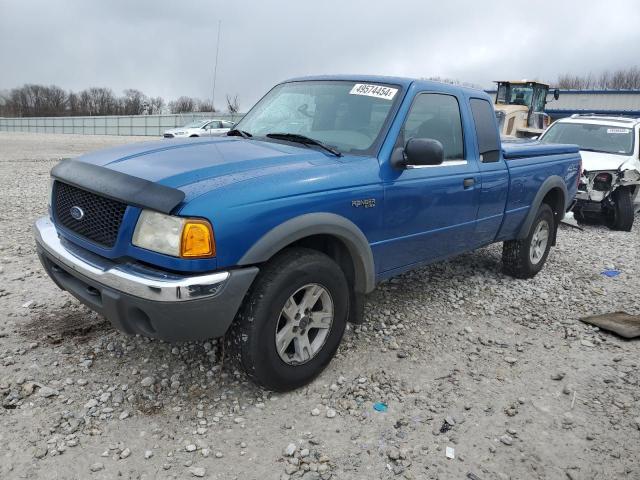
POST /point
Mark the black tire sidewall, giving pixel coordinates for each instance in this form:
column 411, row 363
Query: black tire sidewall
column 622, row 216
column 544, row 213
column 268, row 367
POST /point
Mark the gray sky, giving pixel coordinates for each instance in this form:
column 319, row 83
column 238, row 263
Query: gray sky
column 168, row 48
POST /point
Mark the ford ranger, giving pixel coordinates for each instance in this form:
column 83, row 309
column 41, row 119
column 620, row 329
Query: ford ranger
column 273, row 234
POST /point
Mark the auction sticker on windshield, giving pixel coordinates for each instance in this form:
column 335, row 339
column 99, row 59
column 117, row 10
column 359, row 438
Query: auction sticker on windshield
column 378, row 91
column 617, row 130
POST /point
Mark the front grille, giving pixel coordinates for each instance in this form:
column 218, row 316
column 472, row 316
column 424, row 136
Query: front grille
column 102, row 216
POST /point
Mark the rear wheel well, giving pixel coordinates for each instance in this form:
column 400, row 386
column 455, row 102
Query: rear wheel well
column 555, row 199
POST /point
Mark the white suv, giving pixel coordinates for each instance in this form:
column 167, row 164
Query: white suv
column 610, row 150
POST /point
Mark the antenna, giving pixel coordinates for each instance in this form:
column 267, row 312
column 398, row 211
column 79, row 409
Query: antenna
column 215, row 68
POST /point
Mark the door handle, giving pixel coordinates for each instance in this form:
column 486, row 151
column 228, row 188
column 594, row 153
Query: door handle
column 468, row 182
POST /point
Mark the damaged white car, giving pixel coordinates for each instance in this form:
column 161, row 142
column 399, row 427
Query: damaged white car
column 610, row 150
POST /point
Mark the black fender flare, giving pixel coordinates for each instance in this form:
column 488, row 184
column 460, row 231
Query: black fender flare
column 554, row 181
column 321, row 223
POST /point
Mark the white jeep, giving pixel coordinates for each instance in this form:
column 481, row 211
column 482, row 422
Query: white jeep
column 610, row 180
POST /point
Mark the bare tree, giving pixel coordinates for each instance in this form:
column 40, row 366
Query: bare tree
column 233, row 107
column 40, row 100
column 617, row 80
column 134, row 102
column 205, row 106
column 155, row 105
column 182, row 105
column 453, row 81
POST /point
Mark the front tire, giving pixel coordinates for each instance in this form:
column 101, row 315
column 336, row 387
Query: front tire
column 292, row 320
column 621, row 215
column 525, row 258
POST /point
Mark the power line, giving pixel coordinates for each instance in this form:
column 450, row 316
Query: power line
column 215, row 68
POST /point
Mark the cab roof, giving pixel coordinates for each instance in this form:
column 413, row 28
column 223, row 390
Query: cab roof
column 521, row 82
column 404, row 82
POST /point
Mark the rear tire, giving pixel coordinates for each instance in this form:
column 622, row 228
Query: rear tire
column 273, row 312
column 621, row 216
column 525, row 258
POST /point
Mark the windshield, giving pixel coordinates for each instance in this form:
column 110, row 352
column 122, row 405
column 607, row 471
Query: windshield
column 514, row 94
column 196, row 124
column 347, row 116
column 596, row 138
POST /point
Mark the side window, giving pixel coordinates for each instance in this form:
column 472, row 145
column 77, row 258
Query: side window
column 436, row 116
column 484, row 119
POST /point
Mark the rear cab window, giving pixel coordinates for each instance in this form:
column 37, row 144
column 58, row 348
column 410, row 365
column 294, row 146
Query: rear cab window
column 484, row 119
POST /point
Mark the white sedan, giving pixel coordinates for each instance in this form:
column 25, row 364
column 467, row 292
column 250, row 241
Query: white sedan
column 200, row 128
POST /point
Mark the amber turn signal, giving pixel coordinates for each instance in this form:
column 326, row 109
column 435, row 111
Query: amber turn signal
column 197, row 240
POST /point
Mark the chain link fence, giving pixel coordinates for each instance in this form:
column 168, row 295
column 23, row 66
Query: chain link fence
column 151, row 125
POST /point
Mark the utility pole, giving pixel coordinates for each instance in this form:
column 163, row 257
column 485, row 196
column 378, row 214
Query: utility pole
column 215, row 68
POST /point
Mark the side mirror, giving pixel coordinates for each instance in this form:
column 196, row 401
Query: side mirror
column 423, row 151
column 556, row 94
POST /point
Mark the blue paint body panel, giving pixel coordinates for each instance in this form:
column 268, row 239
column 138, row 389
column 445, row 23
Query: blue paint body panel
column 247, row 187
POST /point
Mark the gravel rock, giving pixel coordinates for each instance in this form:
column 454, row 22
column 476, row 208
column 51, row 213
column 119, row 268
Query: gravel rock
column 506, row 439
column 290, row 450
column 47, row 392
column 96, row 467
column 198, row 472
column 147, row 381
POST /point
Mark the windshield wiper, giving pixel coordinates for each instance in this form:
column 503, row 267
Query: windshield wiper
column 234, row 132
column 295, row 137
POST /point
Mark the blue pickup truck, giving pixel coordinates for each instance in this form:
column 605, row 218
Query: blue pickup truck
column 273, row 234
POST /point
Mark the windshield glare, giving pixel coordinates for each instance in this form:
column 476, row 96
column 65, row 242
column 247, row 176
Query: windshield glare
column 345, row 115
column 598, row 138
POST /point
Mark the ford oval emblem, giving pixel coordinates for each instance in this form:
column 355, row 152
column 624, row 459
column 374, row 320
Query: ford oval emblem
column 76, row 212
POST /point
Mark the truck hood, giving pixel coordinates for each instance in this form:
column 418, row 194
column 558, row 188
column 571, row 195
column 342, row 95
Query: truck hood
column 598, row 161
column 197, row 165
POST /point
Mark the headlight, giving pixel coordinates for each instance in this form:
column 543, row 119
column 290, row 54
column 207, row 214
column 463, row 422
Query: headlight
column 175, row 236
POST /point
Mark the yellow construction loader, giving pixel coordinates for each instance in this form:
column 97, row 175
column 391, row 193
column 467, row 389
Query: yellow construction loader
column 520, row 107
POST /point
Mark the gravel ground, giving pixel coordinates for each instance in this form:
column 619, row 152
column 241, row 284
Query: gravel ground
column 463, row 357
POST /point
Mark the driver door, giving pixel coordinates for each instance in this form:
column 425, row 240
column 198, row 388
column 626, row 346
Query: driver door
column 431, row 210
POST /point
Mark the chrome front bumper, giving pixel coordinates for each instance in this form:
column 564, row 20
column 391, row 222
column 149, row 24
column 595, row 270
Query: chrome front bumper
column 132, row 278
column 138, row 299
